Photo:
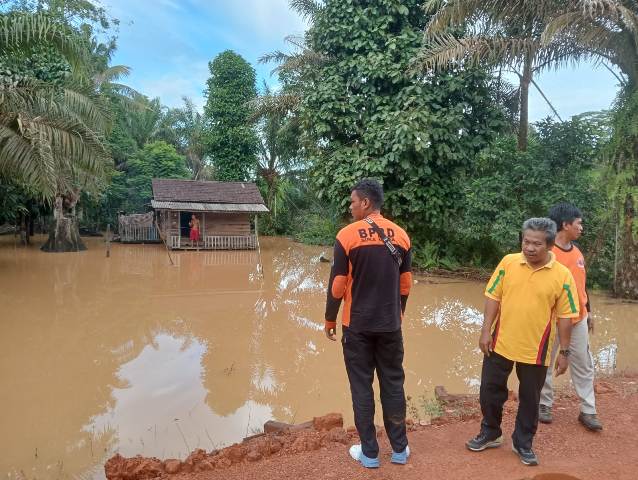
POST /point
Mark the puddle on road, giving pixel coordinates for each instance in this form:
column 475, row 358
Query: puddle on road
column 132, row 355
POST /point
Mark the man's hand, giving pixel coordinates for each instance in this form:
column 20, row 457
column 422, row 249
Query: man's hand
column 561, row 364
column 485, row 342
column 330, row 333
column 590, row 323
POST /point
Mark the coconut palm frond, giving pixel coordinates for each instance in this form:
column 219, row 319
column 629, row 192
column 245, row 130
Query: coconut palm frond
column 43, row 99
column 446, row 14
column 615, row 45
column 451, row 13
column 274, row 57
column 19, row 159
column 306, row 8
column 572, row 23
column 51, row 135
column 297, row 41
column 299, row 61
column 74, row 145
column 88, row 108
column 22, row 31
column 45, row 142
column 445, row 50
column 126, row 91
column 293, row 62
column 279, row 104
column 594, row 8
column 112, row 73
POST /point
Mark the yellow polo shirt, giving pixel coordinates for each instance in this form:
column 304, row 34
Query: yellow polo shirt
column 531, row 300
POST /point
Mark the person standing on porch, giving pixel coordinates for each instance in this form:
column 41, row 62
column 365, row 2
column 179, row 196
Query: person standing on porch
column 194, row 230
column 527, row 291
column 569, row 221
column 371, row 273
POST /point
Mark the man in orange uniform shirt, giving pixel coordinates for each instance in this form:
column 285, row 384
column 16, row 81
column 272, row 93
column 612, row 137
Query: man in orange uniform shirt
column 371, row 274
column 569, row 221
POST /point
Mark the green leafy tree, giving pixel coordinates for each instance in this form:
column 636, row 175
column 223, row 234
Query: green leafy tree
column 156, row 160
column 507, row 186
column 231, row 141
column 365, row 115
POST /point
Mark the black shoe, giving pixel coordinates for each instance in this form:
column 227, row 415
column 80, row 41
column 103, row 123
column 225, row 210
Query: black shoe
column 527, row 455
column 545, row 413
column 590, row 421
column 482, row 441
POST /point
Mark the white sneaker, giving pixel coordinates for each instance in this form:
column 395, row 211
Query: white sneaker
column 401, row 458
column 357, row 454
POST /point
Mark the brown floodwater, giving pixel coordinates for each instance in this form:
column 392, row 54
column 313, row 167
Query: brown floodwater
column 129, row 354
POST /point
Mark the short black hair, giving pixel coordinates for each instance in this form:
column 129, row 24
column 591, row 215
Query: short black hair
column 371, row 189
column 564, row 212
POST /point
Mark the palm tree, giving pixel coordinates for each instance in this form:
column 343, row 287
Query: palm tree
column 51, row 136
column 501, row 33
column 608, row 31
column 185, row 128
column 573, row 31
column 278, row 146
column 292, row 67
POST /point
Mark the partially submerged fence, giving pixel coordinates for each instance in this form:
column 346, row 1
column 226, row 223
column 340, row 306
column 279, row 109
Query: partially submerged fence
column 138, row 228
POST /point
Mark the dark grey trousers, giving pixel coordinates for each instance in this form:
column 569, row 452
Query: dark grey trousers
column 496, row 370
column 363, row 354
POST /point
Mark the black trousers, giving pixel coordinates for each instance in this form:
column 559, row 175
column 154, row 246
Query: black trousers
column 363, row 354
column 496, row 370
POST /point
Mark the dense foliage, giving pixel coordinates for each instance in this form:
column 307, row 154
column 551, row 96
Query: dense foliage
column 507, row 186
column 231, row 141
column 365, row 115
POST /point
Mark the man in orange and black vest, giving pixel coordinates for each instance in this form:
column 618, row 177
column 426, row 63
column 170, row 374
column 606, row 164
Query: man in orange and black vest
column 371, row 274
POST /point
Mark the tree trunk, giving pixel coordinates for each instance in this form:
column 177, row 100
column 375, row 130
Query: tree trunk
column 64, row 233
column 523, row 120
column 627, row 279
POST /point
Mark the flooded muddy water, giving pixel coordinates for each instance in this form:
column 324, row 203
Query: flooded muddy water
column 129, row 354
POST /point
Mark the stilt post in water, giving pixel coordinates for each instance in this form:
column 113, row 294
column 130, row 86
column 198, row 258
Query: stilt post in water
column 108, row 240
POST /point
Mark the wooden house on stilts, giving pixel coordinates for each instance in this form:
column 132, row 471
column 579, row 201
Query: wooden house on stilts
column 224, row 211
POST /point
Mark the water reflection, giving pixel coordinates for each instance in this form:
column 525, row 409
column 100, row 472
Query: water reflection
column 132, row 354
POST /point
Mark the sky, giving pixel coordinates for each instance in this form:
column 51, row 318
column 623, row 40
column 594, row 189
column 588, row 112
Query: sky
column 168, row 44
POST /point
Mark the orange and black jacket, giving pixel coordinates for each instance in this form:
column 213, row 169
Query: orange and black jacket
column 368, row 279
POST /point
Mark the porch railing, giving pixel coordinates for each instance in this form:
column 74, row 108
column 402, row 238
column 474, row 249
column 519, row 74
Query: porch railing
column 230, row 242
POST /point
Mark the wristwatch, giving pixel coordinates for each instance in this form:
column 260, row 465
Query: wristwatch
column 564, row 352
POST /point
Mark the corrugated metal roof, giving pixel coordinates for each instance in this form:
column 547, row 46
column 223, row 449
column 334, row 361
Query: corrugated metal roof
column 210, row 207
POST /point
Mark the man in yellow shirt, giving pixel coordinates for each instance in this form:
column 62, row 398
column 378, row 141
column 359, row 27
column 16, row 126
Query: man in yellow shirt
column 569, row 221
column 527, row 291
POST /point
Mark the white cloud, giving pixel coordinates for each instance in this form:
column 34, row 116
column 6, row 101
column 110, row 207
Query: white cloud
column 168, row 43
column 188, row 80
column 267, row 20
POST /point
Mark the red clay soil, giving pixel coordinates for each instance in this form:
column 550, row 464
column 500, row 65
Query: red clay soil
column 565, row 449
